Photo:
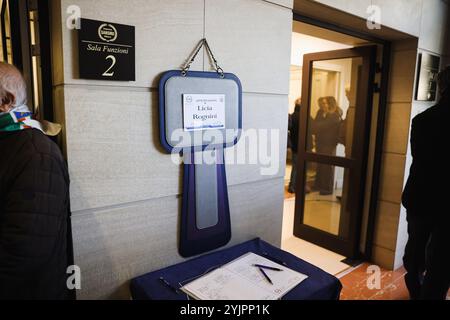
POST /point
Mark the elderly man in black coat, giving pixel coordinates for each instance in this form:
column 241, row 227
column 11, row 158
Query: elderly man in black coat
column 34, row 201
column 427, row 254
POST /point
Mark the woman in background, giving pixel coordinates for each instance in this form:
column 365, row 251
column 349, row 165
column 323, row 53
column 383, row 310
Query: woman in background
column 326, row 128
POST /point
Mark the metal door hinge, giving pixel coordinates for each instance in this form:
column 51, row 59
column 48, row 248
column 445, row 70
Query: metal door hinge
column 35, row 50
column 378, row 68
column 32, row 5
column 376, row 87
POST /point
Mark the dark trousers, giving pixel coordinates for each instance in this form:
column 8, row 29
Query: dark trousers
column 325, row 173
column 426, row 259
column 414, row 260
column 437, row 277
column 324, row 179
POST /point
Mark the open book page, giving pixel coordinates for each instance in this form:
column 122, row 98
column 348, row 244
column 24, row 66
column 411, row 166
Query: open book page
column 241, row 280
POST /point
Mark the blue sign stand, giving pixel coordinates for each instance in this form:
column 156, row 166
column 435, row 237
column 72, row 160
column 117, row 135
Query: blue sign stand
column 205, row 216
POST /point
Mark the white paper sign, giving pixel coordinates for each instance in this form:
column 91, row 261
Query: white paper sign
column 203, row 112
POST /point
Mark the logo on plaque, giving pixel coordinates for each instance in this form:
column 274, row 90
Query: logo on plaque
column 107, row 32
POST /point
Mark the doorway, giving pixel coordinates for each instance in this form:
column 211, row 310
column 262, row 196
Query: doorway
column 326, row 205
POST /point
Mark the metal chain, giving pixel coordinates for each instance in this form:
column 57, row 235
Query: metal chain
column 216, row 64
column 191, row 59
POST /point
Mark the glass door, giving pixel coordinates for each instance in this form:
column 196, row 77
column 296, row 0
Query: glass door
column 337, row 96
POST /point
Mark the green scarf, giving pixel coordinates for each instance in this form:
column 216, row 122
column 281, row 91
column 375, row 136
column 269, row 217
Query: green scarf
column 18, row 119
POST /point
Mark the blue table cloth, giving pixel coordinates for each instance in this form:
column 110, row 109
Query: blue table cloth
column 319, row 285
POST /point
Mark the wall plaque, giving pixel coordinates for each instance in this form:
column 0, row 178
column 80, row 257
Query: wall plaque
column 426, row 87
column 106, row 51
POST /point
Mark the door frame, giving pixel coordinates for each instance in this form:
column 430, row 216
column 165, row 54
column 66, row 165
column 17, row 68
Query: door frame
column 23, row 51
column 360, row 142
column 367, row 247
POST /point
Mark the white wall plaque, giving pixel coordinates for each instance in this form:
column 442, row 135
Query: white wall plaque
column 203, row 112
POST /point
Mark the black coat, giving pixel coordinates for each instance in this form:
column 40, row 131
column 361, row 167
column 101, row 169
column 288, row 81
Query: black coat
column 34, row 217
column 294, row 130
column 326, row 128
column 427, row 190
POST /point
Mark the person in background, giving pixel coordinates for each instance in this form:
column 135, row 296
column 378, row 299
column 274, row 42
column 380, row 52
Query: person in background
column 427, row 253
column 294, row 120
column 343, row 130
column 326, row 128
column 34, row 201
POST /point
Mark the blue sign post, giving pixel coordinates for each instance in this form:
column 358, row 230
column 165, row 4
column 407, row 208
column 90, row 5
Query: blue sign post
column 200, row 116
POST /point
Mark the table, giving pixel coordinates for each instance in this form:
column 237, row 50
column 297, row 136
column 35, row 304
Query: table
column 319, row 285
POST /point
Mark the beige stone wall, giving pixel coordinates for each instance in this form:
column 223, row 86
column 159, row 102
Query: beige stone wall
column 389, row 220
column 125, row 189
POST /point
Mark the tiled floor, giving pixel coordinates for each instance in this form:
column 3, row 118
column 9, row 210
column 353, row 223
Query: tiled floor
column 392, row 285
column 355, row 285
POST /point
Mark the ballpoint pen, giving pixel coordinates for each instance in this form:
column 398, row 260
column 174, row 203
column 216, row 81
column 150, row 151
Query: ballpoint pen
column 167, row 284
column 267, row 267
column 265, row 275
